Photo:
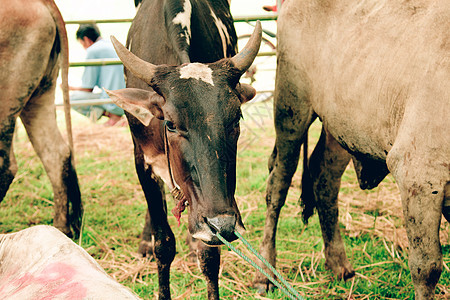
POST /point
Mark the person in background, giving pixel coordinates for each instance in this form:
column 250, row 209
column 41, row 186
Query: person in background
column 110, row 77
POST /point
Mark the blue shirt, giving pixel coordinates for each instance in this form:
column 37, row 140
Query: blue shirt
column 109, row 77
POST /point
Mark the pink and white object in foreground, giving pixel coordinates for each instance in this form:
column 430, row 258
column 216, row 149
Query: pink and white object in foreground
column 42, row 263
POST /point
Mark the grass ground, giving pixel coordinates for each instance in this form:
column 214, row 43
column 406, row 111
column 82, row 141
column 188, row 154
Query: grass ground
column 371, row 221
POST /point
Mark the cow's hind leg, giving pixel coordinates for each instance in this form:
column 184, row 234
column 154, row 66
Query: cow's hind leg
column 39, row 119
column 422, row 188
column 157, row 225
column 8, row 166
column 326, row 166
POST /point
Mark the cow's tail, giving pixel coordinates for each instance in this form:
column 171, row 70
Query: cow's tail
column 64, row 61
column 76, row 212
column 307, row 197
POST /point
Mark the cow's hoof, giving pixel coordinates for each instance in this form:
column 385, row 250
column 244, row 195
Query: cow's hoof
column 145, row 249
column 347, row 274
column 340, row 272
column 263, row 287
column 65, row 230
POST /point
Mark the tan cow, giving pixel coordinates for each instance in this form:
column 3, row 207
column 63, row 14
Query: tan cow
column 377, row 74
column 42, row 263
column 33, row 41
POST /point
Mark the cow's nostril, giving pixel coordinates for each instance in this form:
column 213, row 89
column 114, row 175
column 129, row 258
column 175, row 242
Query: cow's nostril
column 224, row 224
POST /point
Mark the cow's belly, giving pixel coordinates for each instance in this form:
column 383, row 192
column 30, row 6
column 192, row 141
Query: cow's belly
column 357, row 133
column 363, row 120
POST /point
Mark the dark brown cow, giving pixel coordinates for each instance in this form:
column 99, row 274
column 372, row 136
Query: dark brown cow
column 183, row 107
column 33, row 41
column 377, row 74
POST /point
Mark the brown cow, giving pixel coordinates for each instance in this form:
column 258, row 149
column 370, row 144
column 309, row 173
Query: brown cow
column 377, row 74
column 33, row 41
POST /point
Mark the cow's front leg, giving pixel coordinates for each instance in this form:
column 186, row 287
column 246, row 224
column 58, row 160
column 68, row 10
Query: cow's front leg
column 284, row 166
column 326, row 165
column 422, row 189
column 146, row 244
column 209, row 260
column 164, row 240
column 292, row 119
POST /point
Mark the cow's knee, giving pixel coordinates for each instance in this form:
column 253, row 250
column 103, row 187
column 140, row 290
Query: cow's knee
column 164, row 252
column 164, row 248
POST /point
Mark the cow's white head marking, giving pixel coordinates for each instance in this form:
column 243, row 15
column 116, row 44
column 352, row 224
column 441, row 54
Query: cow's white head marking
column 197, row 71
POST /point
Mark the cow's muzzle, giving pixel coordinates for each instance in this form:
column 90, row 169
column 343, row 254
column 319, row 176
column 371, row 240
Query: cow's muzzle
column 225, row 225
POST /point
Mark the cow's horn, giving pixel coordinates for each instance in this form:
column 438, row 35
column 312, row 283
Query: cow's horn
column 140, row 68
column 244, row 59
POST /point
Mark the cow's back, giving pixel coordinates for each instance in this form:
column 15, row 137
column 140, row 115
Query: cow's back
column 155, row 29
column 366, row 66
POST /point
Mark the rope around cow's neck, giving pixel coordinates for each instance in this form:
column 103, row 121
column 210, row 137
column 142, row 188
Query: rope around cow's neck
column 287, row 289
column 175, row 191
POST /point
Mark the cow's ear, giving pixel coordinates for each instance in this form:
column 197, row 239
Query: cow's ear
column 142, row 104
column 246, row 92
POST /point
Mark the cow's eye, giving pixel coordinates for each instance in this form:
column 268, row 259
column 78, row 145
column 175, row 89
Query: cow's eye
column 170, row 126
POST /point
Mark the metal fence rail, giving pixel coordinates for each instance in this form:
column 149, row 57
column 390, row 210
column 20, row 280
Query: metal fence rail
column 106, row 62
column 249, row 18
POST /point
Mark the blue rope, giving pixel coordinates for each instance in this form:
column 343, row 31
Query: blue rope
column 287, row 289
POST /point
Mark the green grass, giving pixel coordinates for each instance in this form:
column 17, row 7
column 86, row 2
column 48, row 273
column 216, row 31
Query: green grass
column 371, row 221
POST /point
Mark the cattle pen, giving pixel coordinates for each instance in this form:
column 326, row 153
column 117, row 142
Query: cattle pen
column 371, row 221
column 106, row 62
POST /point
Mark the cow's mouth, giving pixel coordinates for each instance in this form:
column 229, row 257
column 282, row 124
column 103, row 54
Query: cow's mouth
column 224, row 225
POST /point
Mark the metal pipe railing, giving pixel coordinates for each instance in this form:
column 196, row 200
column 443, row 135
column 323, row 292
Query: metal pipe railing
column 87, row 102
column 106, row 62
column 95, row 62
column 248, row 18
column 108, row 100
